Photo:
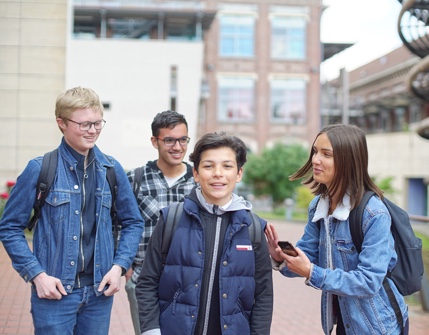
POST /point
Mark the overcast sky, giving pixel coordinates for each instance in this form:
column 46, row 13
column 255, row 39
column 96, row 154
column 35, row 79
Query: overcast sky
column 370, row 24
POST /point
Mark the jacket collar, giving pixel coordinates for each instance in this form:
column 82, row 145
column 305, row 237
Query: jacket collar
column 154, row 166
column 340, row 213
column 237, row 203
column 95, row 154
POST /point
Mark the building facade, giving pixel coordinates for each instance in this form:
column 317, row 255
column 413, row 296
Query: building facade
column 247, row 67
column 33, row 47
column 262, row 71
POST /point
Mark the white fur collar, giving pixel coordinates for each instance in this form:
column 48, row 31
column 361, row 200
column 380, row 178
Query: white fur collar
column 341, row 213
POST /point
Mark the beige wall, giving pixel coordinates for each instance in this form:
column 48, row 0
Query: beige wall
column 134, row 77
column 39, row 59
column 398, row 155
column 32, row 67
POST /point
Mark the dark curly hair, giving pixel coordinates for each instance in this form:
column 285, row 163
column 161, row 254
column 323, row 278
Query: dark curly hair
column 221, row 140
column 167, row 119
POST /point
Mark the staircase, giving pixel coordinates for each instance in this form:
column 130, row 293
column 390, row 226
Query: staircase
column 413, row 29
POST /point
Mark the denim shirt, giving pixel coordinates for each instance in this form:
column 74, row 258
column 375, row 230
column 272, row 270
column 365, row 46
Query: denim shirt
column 356, row 278
column 56, row 235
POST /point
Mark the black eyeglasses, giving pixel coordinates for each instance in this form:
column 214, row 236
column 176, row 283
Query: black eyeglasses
column 171, row 141
column 85, row 126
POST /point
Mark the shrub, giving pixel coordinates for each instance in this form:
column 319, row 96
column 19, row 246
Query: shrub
column 5, row 195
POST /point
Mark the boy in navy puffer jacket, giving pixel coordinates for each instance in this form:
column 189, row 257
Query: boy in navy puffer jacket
column 214, row 280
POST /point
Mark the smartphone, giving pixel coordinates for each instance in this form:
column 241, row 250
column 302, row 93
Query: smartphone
column 287, row 248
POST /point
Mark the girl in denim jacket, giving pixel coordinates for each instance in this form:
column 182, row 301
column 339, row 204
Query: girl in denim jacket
column 353, row 297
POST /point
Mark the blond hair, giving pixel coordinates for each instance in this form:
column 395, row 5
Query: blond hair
column 77, row 98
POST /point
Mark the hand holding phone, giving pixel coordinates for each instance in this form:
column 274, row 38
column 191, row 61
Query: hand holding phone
column 287, row 248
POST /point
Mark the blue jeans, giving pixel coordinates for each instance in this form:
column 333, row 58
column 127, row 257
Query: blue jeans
column 78, row 313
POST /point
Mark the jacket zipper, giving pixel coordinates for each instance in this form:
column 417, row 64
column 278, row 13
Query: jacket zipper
column 329, row 300
column 85, row 176
column 212, row 271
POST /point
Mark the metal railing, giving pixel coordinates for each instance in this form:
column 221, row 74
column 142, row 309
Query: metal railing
column 418, row 218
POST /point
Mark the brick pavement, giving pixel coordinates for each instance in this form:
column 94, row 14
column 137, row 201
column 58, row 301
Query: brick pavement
column 296, row 306
column 307, row 304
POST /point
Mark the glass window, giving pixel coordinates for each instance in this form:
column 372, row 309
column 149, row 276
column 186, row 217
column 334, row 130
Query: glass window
column 123, row 28
column 236, row 35
column 288, row 38
column 399, row 120
column 288, row 101
column 415, row 112
column 384, row 119
column 236, row 102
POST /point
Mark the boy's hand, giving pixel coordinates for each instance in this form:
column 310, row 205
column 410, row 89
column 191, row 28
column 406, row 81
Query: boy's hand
column 48, row 287
column 113, row 279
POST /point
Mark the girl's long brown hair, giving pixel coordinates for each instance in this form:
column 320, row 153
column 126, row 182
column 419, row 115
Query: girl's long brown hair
column 350, row 162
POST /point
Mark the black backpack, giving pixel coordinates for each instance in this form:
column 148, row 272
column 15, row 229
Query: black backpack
column 46, row 179
column 408, row 271
column 175, row 212
column 138, row 174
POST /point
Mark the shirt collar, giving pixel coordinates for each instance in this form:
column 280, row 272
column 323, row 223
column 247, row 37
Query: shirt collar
column 80, row 158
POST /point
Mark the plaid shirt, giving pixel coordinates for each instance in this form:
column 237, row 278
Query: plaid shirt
column 153, row 195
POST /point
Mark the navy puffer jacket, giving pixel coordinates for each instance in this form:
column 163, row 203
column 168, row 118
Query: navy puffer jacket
column 214, row 281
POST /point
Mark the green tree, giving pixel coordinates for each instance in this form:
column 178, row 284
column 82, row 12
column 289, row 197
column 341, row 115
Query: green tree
column 303, row 197
column 268, row 173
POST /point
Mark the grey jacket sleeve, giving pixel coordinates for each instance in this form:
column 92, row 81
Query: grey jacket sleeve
column 262, row 312
column 148, row 282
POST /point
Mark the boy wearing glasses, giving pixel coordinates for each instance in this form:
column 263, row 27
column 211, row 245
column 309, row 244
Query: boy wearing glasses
column 74, row 268
column 161, row 182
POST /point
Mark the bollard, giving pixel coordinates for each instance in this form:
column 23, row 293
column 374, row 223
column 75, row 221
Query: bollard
column 289, row 203
column 424, row 293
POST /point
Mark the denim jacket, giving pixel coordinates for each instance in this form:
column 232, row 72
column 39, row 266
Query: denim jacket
column 56, row 236
column 356, row 278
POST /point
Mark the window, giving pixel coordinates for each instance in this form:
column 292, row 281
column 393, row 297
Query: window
column 384, row 119
column 236, row 102
column 236, row 35
column 399, row 119
column 288, row 38
column 415, row 112
column 288, row 98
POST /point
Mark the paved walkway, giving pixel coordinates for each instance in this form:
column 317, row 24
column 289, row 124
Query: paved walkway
column 296, row 306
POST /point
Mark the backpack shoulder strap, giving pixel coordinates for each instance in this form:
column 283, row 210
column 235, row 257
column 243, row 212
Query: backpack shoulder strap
column 113, row 184
column 174, row 213
column 355, row 221
column 44, row 183
column 138, row 174
column 255, row 231
column 111, row 179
